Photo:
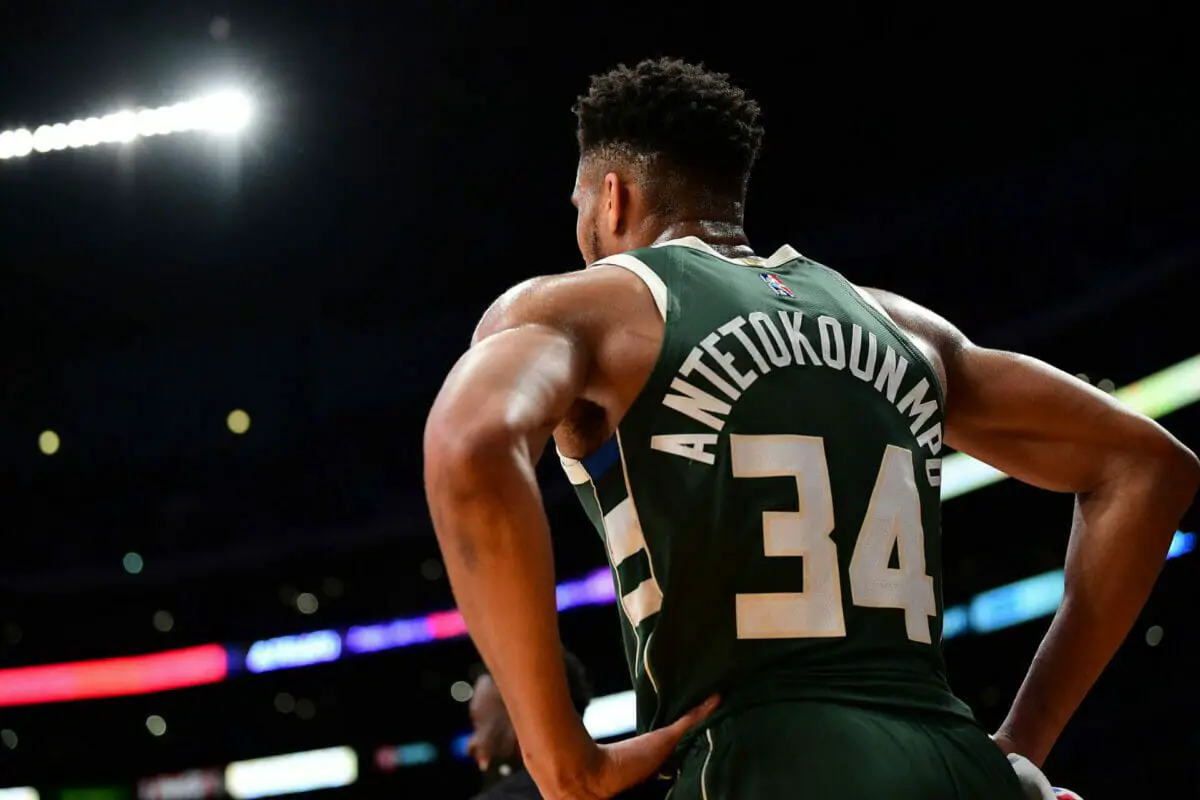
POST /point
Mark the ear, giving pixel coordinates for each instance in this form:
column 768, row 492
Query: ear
column 615, row 202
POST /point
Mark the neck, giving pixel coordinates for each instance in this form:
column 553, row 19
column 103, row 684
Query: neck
column 724, row 236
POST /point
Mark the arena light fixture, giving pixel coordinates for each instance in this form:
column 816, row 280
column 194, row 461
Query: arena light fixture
column 225, row 113
column 19, row 793
column 1002, row 607
column 1155, row 396
column 113, row 677
column 997, row 608
column 331, row 768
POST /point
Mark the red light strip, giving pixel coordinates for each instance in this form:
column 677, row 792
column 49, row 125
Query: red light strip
column 113, row 677
column 446, row 624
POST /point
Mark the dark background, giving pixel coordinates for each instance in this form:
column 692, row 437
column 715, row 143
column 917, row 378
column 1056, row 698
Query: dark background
column 1030, row 177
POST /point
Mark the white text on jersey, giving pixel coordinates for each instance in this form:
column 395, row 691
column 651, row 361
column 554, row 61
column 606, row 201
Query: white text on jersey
column 797, row 340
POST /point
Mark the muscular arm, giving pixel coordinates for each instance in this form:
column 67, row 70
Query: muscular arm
column 534, row 355
column 1132, row 481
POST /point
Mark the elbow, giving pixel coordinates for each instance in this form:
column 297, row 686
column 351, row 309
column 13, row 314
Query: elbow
column 1158, row 468
column 1173, row 472
column 1189, row 470
column 459, row 449
column 1181, row 469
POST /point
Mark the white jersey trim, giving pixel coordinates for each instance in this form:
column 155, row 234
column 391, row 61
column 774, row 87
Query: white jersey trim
column 781, row 256
column 655, row 284
column 576, row 473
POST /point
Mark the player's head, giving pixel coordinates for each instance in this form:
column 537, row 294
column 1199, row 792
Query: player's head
column 493, row 743
column 662, row 142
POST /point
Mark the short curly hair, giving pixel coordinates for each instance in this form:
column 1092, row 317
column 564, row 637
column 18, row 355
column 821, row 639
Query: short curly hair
column 695, row 120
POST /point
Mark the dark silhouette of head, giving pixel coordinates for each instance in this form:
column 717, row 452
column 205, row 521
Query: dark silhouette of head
column 662, row 143
column 493, row 743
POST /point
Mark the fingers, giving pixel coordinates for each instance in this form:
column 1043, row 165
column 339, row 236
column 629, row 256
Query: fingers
column 694, row 717
column 670, row 735
column 659, row 744
column 632, row 761
column 639, row 758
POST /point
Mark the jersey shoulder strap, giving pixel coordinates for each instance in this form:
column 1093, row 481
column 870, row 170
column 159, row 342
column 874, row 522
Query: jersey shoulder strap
column 658, row 265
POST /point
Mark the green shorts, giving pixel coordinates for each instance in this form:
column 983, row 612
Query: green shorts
column 823, row 751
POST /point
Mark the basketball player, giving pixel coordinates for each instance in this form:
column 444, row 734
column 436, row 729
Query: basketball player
column 759, row 443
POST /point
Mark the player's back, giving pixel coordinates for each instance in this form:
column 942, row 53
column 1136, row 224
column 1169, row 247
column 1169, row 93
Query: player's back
column 770, row 503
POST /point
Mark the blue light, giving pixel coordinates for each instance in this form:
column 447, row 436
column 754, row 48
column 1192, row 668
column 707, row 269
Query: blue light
column 303, row 650
column 955, row 622
column 1002, row 607
column 594, row 589
column 409, row 755
column 458, row 747
column 388, row 635
column 1032, row 598
column 1017, row 602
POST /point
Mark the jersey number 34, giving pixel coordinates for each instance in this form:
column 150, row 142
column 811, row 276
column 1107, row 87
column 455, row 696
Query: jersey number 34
column 892, row 522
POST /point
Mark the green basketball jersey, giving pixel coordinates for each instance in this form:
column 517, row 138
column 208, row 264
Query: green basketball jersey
column 770, row 503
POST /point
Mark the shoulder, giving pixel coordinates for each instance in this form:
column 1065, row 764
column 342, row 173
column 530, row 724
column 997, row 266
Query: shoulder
column 941, row 342
column 580, row 303
column 918, row 321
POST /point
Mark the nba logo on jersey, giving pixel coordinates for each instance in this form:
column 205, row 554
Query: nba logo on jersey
column 777, row 286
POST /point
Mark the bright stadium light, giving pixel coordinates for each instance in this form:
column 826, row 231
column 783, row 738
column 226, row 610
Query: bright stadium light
column 227, row 112
column 224, row 113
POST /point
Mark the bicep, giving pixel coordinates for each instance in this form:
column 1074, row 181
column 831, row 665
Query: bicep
column 1038, row 423
column 543, row 345
column 512, row 384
